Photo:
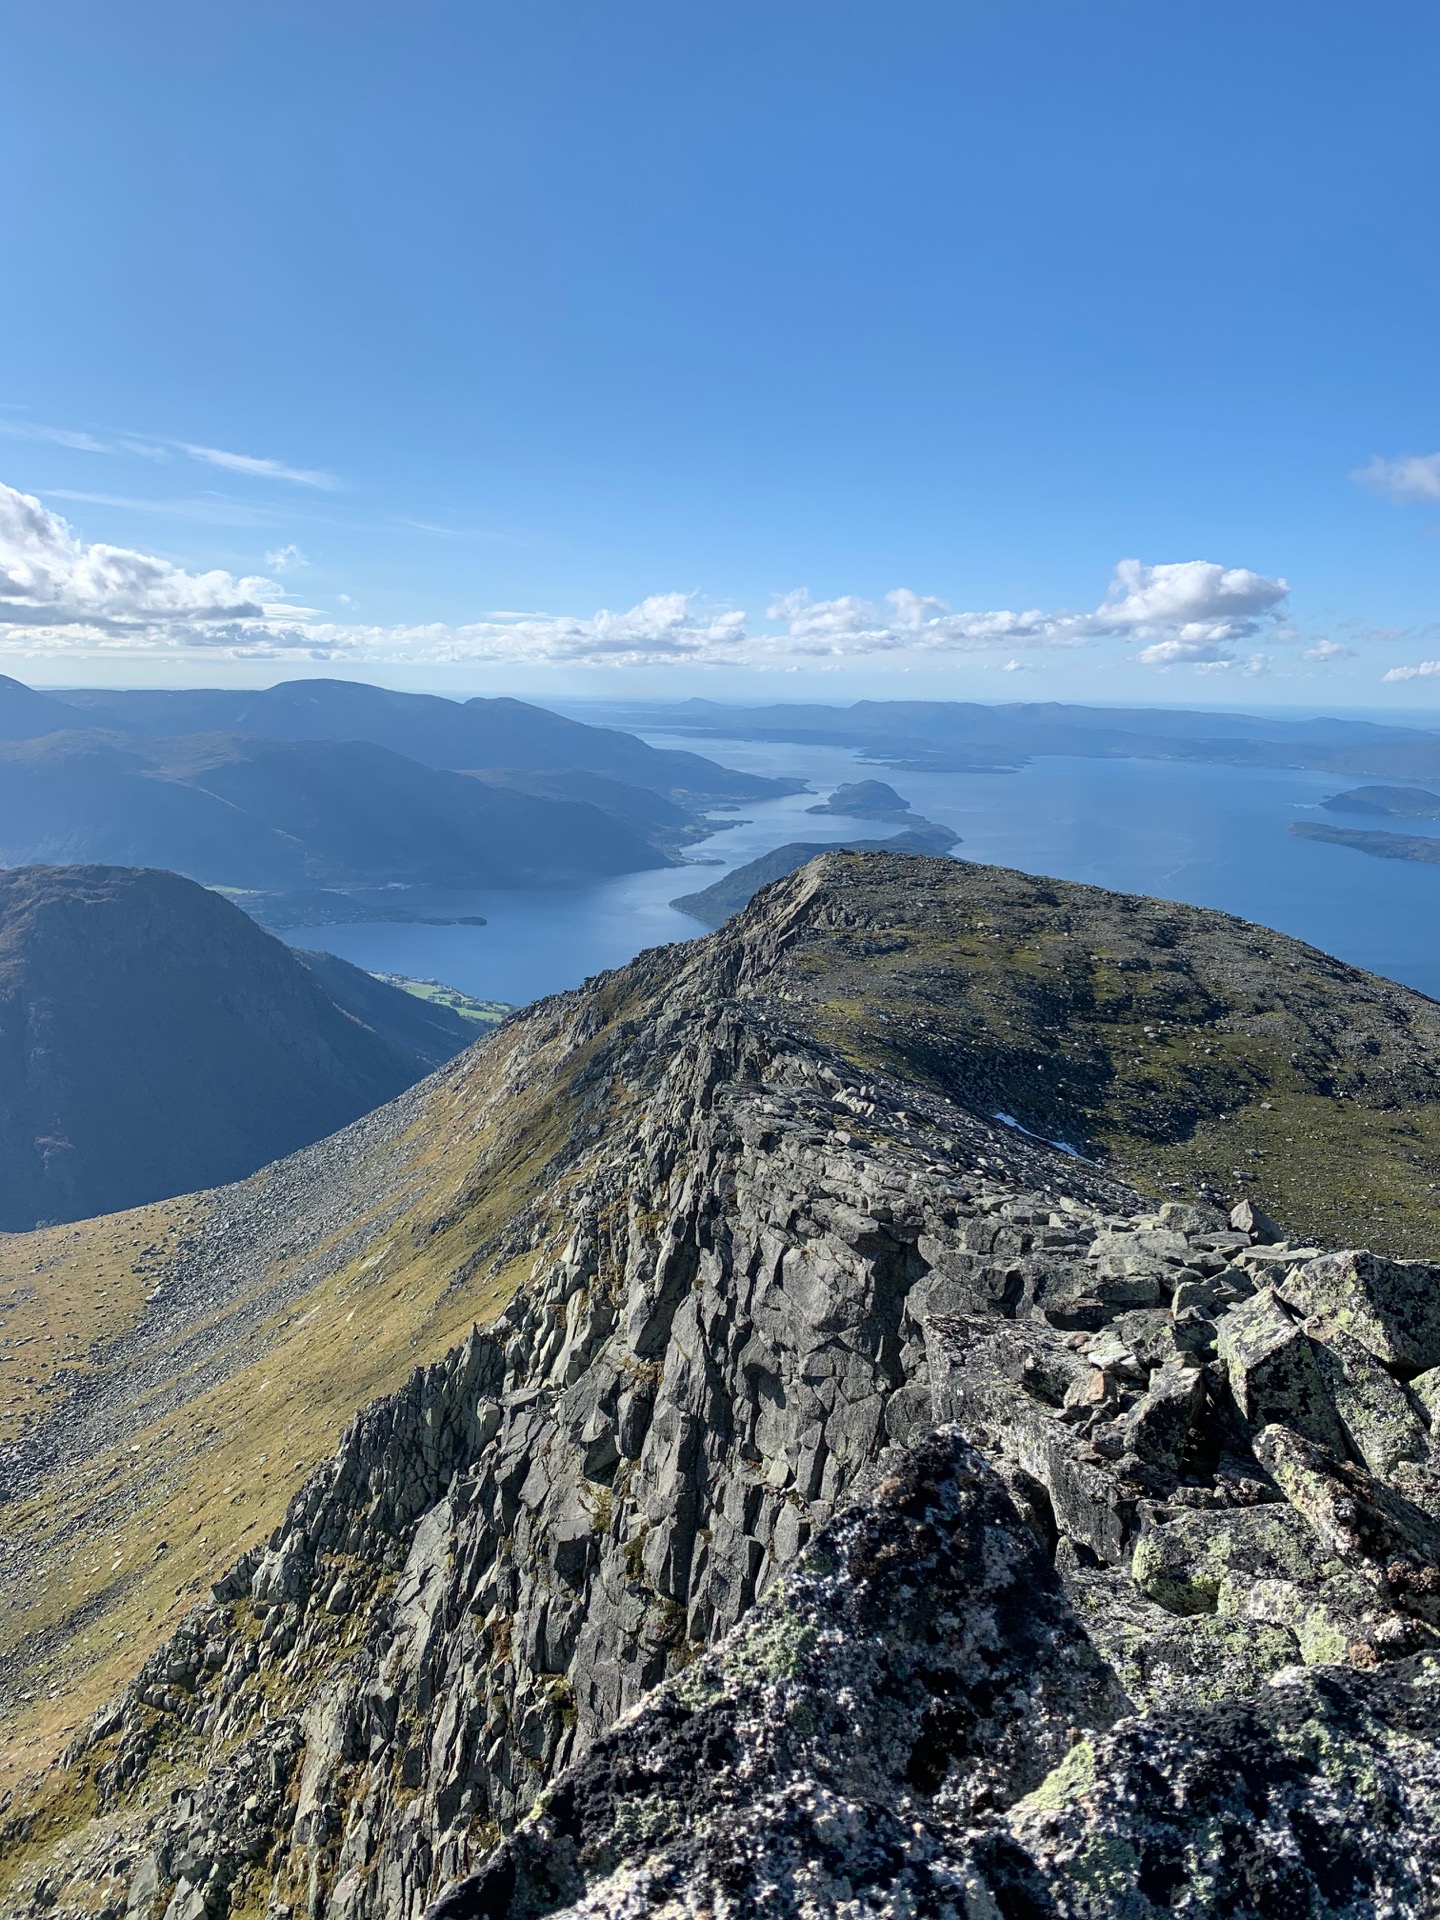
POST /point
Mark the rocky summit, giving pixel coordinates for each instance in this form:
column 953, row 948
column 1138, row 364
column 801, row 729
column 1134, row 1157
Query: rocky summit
column 844, row 1500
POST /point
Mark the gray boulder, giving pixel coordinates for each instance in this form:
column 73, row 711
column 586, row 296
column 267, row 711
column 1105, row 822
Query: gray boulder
column 1390, row 1306
column 1272, row 1371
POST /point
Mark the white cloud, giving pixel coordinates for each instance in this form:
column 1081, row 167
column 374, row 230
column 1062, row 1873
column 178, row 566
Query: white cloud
column 665, row 627
column 55, row 592
column 1426, row 670
column 1406, row 479
column 1190, row 609
column 1180, row 652
column 1328, row 650
column 49, row 579
column 1192, row 600
column 261, row 469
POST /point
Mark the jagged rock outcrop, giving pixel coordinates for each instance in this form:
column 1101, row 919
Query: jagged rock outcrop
column 914, row 1727
column 862, row 1508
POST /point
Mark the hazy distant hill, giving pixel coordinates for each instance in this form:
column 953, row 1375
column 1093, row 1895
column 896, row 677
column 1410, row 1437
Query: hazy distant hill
column 932, row 735
column 1405, row 803
column 656, row 816
column 153, row 1039
column 25, row 713
column 280, row 814
column 437, row 732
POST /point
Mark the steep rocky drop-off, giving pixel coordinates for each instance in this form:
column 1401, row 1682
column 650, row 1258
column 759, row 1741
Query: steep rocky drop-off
column 857, row 1506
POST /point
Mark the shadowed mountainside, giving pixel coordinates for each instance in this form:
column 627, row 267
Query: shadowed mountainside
column 154, row 1040
column 271, row 814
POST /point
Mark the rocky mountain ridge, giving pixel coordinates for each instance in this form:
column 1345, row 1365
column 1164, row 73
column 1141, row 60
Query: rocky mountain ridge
column 861, row 1507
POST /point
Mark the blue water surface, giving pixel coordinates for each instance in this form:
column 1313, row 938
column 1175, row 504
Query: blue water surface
column 1214, row 836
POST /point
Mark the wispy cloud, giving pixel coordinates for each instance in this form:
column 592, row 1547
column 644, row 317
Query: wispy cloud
column 214, row 509
column 81, row 442
column 461, row 533
column 1328, row 650
column 56, row 436
column 1426, row 670
column 262, row 469
column 158, row 447
column 286, row 559
column 1406, row 479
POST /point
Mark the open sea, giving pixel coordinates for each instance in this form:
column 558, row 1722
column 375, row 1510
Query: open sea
column 1213, row 836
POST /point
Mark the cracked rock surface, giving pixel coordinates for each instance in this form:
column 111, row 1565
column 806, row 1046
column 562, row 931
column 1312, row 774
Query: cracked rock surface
column 862, row 1509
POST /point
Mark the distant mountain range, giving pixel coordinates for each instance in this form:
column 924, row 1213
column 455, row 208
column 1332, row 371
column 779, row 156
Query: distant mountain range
column 275, row 814
column 458, row 734
column 939, row 735
column 153, row 1039
column 329, row 783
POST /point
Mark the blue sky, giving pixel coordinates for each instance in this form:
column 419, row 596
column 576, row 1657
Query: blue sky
column 403, row 342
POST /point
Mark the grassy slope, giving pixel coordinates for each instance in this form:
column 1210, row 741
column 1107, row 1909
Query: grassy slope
column 1188, row 1048
column 215, row 1476
column 485, row 1013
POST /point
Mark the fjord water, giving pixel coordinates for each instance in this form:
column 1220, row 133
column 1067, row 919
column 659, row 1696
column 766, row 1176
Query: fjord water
column 1212, row 836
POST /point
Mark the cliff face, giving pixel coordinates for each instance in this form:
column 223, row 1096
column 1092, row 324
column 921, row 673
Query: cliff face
column 940, row 1514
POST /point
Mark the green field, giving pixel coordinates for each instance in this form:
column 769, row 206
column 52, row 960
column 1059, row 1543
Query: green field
column 485, row 1013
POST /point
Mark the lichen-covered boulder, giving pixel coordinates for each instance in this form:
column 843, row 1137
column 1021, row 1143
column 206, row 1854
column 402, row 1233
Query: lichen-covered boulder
column 1315, row 1799
column 1159, row 1426
column 925, row 1656
column 1369, row 1526
column 1390, row 1306
column 1262, row 1571
column 1382, row 1421
column 1272, row 1371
